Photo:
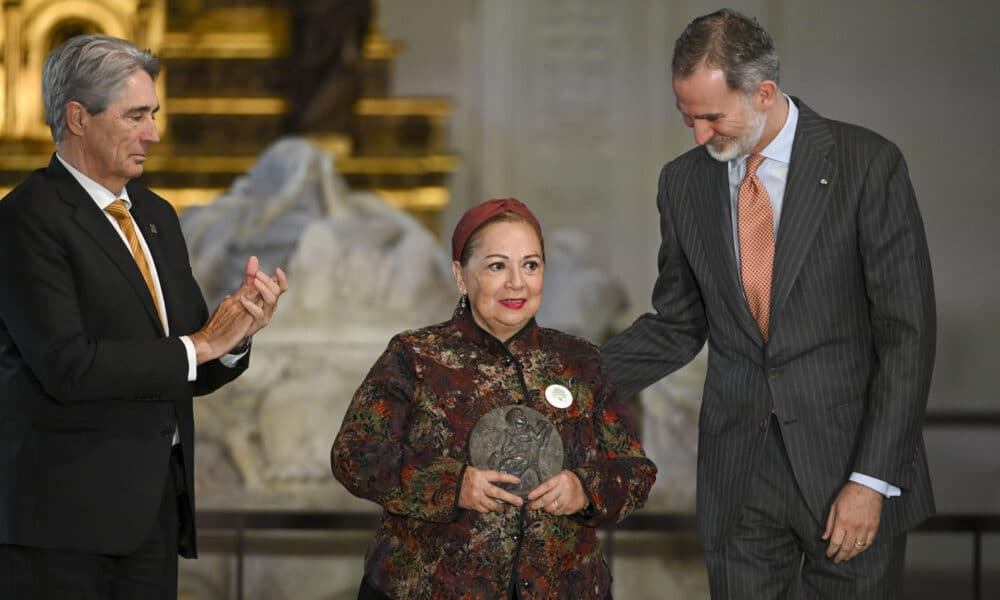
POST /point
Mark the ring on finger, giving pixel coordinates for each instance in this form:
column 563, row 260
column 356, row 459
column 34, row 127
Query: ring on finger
column 555, row 504
column 859, row 543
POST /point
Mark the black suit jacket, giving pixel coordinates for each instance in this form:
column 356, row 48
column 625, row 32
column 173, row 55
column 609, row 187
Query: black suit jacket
column 852, row 334
column 90, row 389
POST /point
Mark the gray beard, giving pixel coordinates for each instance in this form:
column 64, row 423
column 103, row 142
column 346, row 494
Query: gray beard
column 735, row 147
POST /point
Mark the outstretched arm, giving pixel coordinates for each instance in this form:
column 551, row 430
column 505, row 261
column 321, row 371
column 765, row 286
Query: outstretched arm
column 660, row 342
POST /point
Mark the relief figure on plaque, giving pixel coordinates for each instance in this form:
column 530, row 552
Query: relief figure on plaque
column 518, row 455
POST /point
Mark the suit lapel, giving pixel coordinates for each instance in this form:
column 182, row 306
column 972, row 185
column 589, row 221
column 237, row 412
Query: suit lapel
column 716, row 226
column 96, row 225
column 811, row 173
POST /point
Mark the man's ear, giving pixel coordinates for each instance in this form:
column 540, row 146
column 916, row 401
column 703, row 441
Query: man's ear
column 767, row 91
column 76, row 117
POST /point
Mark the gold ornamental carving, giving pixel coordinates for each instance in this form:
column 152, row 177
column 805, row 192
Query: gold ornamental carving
column 211, row 130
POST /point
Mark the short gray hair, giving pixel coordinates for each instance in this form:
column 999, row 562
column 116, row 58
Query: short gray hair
column 731, row 42
column 91, row 70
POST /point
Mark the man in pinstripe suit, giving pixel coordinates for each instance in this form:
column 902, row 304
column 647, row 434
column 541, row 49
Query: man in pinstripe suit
column 811, row 457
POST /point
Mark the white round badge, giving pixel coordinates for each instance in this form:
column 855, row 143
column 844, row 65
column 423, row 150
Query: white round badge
column 558, row 396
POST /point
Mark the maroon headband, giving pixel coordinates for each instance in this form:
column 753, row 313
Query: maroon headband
column 479, row 214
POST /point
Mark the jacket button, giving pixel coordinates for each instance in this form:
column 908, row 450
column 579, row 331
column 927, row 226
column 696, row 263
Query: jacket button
column 166, row 432
column 772, row 373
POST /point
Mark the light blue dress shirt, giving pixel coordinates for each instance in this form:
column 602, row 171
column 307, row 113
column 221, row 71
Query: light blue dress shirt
column 773, row 173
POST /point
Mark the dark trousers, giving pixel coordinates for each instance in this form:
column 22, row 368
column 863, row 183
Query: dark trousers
column 149, row 573
column 776, row 542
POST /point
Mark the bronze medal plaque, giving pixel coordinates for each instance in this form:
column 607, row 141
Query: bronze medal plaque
column 520, row 441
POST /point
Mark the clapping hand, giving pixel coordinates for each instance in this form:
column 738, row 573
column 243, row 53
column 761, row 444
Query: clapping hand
column 241, row 314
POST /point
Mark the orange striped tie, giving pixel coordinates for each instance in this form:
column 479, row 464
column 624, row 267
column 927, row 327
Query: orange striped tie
column 119, row 211
column 755, row 221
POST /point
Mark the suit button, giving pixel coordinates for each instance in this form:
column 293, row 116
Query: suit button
column 166, row 432
column 772, row 373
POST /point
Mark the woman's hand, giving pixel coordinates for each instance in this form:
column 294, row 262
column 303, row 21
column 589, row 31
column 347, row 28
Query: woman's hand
column 561, row 494
column 479, row 492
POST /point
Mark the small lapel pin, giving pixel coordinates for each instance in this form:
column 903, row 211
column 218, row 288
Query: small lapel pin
column 558, row 396
column 152, row 228
column 823, row 181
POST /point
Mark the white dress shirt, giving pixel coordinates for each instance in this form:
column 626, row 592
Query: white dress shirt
column 103, row 197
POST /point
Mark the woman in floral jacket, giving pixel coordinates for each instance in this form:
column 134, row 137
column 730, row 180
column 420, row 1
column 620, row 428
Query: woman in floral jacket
column 450, row 529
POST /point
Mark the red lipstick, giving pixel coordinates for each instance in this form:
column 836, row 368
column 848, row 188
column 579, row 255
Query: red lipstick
column 513, row 303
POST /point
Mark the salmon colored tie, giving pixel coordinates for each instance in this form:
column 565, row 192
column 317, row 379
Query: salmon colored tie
column 755, row 221
column 118, row 210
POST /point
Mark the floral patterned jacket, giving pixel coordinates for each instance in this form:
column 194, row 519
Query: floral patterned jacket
column 403, row 445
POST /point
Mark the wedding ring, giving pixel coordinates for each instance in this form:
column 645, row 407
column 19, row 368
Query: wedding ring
column 859, row 544
column 555, row 504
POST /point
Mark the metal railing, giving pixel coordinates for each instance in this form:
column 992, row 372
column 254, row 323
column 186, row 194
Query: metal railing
column 239, row 522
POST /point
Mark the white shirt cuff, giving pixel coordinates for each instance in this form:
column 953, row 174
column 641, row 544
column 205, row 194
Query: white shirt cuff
column 878, row 485
column 230, row 360
column 192, row 355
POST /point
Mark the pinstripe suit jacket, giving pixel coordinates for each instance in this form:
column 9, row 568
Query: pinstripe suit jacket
column 848, row 363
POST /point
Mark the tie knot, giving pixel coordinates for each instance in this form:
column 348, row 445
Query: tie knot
column 117, row 209
column 753, row 161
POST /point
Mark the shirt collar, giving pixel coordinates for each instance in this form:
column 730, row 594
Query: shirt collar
column 780, row 148
column 101, row 195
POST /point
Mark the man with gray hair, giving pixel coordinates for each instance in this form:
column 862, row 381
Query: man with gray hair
column 793, row 245
column 104, row 340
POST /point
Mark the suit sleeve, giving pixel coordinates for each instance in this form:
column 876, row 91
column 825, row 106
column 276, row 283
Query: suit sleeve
column 370, row 455
column 660, row 342
column 900, row 289
column 41, row 310
column 212, row 374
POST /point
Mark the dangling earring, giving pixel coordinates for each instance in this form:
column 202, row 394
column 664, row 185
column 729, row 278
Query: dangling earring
column 464, row 301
